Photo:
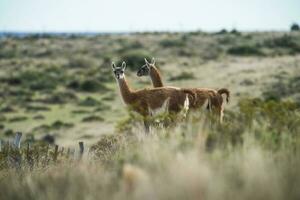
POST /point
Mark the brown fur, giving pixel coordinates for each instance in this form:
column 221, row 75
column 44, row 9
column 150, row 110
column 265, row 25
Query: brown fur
column 143, row 100
column 155, row 77
column 202, row 94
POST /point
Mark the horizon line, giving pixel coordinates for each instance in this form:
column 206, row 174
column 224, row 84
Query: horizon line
column 140, row 31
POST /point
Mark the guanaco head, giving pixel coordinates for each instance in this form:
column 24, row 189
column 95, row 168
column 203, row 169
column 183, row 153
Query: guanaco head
column 119, row 71
column 145, row 69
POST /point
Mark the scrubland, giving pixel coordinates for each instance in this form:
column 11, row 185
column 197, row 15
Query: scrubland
column 62, row 87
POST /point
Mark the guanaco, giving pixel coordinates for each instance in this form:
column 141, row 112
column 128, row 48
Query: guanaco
column 217, row 103
column 146, row 101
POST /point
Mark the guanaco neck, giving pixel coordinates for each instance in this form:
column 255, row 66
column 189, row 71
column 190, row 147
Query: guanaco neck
column 126, row 92
column 155, row 77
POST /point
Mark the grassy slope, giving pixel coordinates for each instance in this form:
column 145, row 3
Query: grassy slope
column 79, row 59
column 253, row 155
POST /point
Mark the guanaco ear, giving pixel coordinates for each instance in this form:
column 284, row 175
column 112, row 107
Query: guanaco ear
column 146, row 61
column 153, row 61
column 113, row 65
column 123, row 65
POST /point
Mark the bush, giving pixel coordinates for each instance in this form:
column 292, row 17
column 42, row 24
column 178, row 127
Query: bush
column 38, row 80
column 32, row 108
column 8, row 132
column 168, row 43
column 282, row 88
column 135, row 58
column 90, row 85
column 102, row 107
column 277, row 117
column 183, row 76
column 80, row 111
column 295, row 27
column 89, row 101
column 54, row 126
column 60, row 98
column 245, row 50
column 291, row 43
column 9, row 52
column 235, row 32
column 7, row 109
column 59, row 124
column 92, row 118
column 50, row 139
column 80, row 62
column 75, row 85
column 221, row 32
column 128, row 45
column 38, row 117
column 107, row 147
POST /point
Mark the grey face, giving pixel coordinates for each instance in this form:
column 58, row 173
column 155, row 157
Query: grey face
column 143, row 70
column 119, row 71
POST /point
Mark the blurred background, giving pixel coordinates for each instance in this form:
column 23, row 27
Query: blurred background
column 55, row 56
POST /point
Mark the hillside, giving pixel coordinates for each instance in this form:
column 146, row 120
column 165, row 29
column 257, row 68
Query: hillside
column 63, row 85
column 58, row 90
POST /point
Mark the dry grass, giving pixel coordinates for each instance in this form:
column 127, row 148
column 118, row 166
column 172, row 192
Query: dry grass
column 189, row 161
column 253, row 155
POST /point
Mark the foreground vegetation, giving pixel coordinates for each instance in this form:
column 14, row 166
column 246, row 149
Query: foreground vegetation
column 254, row 155
column 59, row 90
column 62, row 85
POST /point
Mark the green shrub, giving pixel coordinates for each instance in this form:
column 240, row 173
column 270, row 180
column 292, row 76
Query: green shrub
column 295, row 27
column 80, row 111
column 13, row 81
column 60, row 98
column 81, row 62
column 128, row 45
column 227, row 40
column 17, row 119
column 33, row 108
column 89, row 101
column 273, row 124
column 92, row 118
column 38, row 117
column 277, row 116
column 221, row 32
column 102, row 107
column 39, row 80
column 168, row 43
column 8, row 132
column 183, row 76
column 247, row 82
column 75, row 85
column 90, row 85
column 107, row 147
column 282, row 88
column 109, row 97
column 135, row 58
column 59, row 124
column 7, row 109
column 289, row 42
column 245, row 50
column 9, row 52
column 235, row 32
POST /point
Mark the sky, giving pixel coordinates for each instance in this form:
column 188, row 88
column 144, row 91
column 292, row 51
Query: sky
column 151, row 15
